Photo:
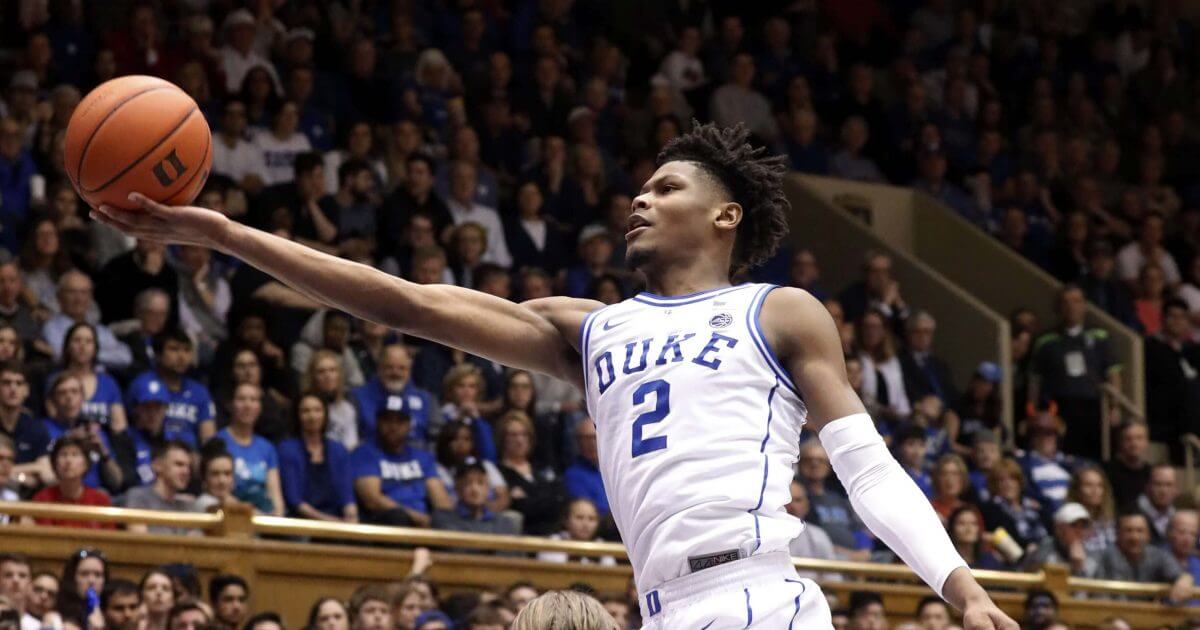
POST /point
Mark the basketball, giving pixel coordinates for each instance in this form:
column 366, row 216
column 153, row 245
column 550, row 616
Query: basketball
column 137, row 134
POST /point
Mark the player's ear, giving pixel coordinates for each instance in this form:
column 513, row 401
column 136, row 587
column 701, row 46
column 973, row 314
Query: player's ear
column 729, row 215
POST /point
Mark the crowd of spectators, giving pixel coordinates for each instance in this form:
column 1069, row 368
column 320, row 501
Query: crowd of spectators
column 496, row 145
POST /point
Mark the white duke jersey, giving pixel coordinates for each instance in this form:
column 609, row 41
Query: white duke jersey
column 698, row 428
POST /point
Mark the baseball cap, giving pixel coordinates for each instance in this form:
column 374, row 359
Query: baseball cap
column 393, row 406
column 989, row 372
column 148, row 391
column 1071, row 513
column 24, row 79
column 469, row 464
column 591, row 231
column 240, row 17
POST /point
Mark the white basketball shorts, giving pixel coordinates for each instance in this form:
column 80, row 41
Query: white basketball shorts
column 761, row 591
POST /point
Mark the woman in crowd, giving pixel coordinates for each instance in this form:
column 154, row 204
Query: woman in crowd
column 248, row 330
column 950, row 484
column 455, row 444
column 521, row 395
column 536, row 492
column 259, row 95
column 246, row 369
column 580, row 521
column 883, row 379
column 325, row 379
column 315, row 470
column 86, row 570
column 158, row 596
column 1089, row 488
column 979, row 408
column 1068, row 257
column 406, row 606
column 1009, row 508
column 532, row 240
column 462, row 393
column 359, row 143
column 42, row 261
column 256, row 479
column 69, row 457
column 966, row 532
column 101, row 393
column 328, row 613
column 606, row 289
column 1151, row 291
column 216, row 477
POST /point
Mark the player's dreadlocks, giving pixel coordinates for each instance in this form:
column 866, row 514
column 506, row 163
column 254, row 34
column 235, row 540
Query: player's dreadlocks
column 751, row 178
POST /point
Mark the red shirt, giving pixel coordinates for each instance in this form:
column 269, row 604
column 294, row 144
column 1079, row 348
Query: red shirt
column 90, row 496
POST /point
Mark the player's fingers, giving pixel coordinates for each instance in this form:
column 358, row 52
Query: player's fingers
column 1003, row 622
column 125, row 222
column 148, row 204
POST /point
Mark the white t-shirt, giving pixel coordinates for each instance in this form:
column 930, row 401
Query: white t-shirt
column 497, row 247
column 1130, row 261
column 536, row 231
column 278, row 155
column 236, row 67
column 238, row 161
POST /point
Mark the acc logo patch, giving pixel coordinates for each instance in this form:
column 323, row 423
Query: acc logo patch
column 720, row 320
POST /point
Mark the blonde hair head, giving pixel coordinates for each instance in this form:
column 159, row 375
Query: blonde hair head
column 564, row 610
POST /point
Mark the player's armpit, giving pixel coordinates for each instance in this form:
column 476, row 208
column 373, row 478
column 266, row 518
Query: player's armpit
column 806, row 341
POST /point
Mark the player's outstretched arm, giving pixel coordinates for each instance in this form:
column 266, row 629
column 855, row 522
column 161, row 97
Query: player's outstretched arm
column 803, row 334
column 534, row 336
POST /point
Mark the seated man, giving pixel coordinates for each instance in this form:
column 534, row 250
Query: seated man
column 812, row 542
column 472, row 514
column 148, row 402
column 1157, row 502
column 830, row 509
column 190, row 410
column 75, row 298
column 172, row 463
column 1181, row 543
column 396, row 483
column 582, row 478
column 1133, row 559
column 1072, row 523
column 66, row 395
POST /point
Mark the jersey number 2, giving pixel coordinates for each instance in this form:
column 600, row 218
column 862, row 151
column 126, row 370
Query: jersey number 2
column 662, row 406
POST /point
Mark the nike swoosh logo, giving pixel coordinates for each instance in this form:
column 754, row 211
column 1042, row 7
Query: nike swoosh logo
column 609, row 325
column 708, row 624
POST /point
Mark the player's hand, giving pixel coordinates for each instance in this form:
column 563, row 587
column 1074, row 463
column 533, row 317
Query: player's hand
column 985, row 615
column 150, row 220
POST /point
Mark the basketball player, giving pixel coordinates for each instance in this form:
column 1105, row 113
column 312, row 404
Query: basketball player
column 698, row 388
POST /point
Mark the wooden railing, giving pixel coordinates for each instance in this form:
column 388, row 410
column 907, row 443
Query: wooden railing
column 293, row 561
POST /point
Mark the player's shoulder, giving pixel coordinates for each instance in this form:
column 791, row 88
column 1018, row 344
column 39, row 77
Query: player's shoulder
column 791, row 303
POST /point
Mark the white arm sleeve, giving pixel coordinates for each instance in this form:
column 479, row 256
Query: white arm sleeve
column 888, row 500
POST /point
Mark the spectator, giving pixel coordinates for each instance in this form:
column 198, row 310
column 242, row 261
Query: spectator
column 582, row 478
column 1151, row 294
column 229, row 596
column 414, row 197
column 934, row 614
column 806, row 152
column 352, row 206
column 314, row 469
column 256, row 463
column 1172, row 359
column 878, row 291
column 1009, row 508
column 157, row 589
column 461, row 391
column 1148, row 249
column 1069, row 366
column 15, row 581
column 463, row 208
column 812, row 542
column 120, row 604
column 1102, row 287
column 328, row 330
column 275, row 422
column 70, row 459
column 575, row 608
column 102, row 394
column 149, row 406
column 978, row 409
column 1047, row 469
column 240, row 54
column 1133, row 559
column 850, row 162
column 738, row 101
column 188, row 615
column 683, row 67
column 190, row 412
column 965, row 527
column 932, row 181
column 580, row 522
column 14, row 309
column 370, row 608
column 532, row 239
column 264, row 621
column 30, row 436
column 1072, row 527
column 925, row 373
column 17, row 169
column 883, row 378
column 536, row 491
column 66, row 402
column 8, row 454
column 204, row 299
column 949, row 485
column 396, row 483
column 359, row 142
column 1129, row 471
column 456, row 445
column 216, row 475
column 1157, row 501
column 324, row 378
column 1041, row 609
column 329, row 613
column 75, row 298
column 40, row 603
column 468, row 243
column 867, row 611
column 831, row 510
column 233, row 155
column 472, row 514
column 282, row 144
column 172, row 463
column 144, row 267
column 85, row 570
column 1089, row 488
column 595, row 254
column 152, row 308
column 391, row 387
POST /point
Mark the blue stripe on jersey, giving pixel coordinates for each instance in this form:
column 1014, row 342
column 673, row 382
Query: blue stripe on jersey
column 585, row 334
column 680, row 300
column 803, row 587
column 766, row 461
column 749, row 612
column 760, row 341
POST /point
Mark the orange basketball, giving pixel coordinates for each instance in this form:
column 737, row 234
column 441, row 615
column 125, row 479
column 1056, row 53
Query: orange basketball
column 138, row 134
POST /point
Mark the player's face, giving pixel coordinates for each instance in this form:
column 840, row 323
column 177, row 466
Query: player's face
column 676, row 211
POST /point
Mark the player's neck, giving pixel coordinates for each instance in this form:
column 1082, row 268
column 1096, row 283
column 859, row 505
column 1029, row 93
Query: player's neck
column 683, row 279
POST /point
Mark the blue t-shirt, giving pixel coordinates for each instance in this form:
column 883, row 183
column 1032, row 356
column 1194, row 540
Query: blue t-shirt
column 142, row 456
column 188, row 408
column 582, row 479
column 401, row 475
column 251, row 465
column 328, row 487
column 100, row 404
column 92, row 478
column 30, row 437
column 416, row 402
